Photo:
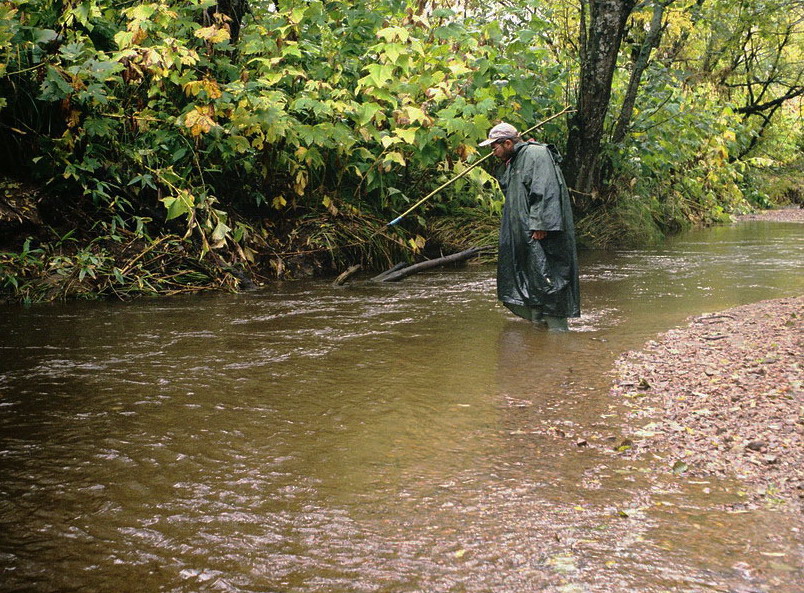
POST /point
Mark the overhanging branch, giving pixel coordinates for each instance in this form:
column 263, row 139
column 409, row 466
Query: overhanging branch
column 755, row 109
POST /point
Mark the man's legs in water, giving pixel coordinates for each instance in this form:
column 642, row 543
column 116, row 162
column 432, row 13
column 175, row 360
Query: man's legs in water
column 556, row 324
column 534, row 314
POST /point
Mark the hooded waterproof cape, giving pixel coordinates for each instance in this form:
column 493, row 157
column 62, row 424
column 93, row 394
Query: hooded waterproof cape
column 537, row 274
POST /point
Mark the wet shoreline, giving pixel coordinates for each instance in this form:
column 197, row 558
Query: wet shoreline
column 722, row 397
column 792, row 214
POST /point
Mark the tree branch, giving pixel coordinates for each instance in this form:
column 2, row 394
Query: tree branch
column 431, row 263
column 754, row 109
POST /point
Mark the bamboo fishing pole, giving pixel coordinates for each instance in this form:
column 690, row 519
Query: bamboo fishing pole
column 469, row 168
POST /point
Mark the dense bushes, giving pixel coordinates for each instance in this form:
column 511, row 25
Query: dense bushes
column 253, row 138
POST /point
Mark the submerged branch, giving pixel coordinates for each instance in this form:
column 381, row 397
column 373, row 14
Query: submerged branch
column 394, row 276
column 344, row 277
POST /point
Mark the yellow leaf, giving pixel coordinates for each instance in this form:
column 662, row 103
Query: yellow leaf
column 279, row 202
column 417, row 115
column 212, row 89
column 394, row 157
column 151, row 57
column 192, row 88
column 199, row 120
column 301, row 183
column 417, row 244
column 327, row 202
column 408, row 135
column 249, row 254
column 394, row 34
column 457, row 68
column 213, row 34
column 390, row 140
column 139, row 35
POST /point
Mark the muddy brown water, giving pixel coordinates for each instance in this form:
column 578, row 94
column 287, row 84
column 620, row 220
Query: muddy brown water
column 378, row 438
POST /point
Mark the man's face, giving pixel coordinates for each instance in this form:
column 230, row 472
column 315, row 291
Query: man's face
column 503, row 149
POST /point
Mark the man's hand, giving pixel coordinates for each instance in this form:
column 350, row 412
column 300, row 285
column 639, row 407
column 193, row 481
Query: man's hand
column 538, row 235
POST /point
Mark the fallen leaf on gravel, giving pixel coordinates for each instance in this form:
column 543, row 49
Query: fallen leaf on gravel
column 624, row 445
column 679, row 467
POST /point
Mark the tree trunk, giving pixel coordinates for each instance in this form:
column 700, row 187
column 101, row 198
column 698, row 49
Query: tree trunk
column 601, row 42
column 235, row 10
column 640, row 64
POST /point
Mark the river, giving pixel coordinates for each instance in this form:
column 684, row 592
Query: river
column 410, row 437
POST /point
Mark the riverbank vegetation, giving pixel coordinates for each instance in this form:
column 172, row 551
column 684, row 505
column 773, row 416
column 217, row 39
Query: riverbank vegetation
column 164, row 147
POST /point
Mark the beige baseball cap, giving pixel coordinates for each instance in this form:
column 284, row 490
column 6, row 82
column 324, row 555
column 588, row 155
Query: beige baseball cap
column 501, row 131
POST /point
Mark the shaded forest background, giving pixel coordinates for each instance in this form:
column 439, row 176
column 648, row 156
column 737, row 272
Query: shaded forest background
column 170, row 147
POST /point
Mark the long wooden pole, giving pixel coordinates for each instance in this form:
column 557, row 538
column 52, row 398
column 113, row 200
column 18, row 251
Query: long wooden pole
column 469, row 168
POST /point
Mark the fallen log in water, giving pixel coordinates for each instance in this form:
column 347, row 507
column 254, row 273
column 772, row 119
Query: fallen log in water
column 400, row 271
column 343, row 278
column 381, row 277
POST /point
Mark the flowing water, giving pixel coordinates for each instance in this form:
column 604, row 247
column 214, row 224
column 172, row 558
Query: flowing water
column 378, row 438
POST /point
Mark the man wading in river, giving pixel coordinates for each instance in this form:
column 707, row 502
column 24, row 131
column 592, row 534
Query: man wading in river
column 537, row 266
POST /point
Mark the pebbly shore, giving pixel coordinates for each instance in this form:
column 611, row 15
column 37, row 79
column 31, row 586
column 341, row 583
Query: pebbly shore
column 723, row 396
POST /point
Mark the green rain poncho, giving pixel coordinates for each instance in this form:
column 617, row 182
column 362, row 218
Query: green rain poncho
column 540, row 275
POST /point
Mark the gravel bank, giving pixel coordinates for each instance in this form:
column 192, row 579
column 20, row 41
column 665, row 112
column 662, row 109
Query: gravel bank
column 781, row 215
column 723, row 396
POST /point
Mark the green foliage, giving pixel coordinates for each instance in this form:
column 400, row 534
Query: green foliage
column 17, row 268
column 771, row 184
column 343, row 114
column 713, row 111
column 629, row 222
column 66, row 268
column 678, row 162
column 152, row 104
column 465, row 228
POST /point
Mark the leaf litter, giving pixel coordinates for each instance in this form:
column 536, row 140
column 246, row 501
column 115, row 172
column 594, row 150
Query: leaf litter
column 722, row 398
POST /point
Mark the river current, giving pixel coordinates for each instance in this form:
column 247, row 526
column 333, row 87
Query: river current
column 409, row 437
